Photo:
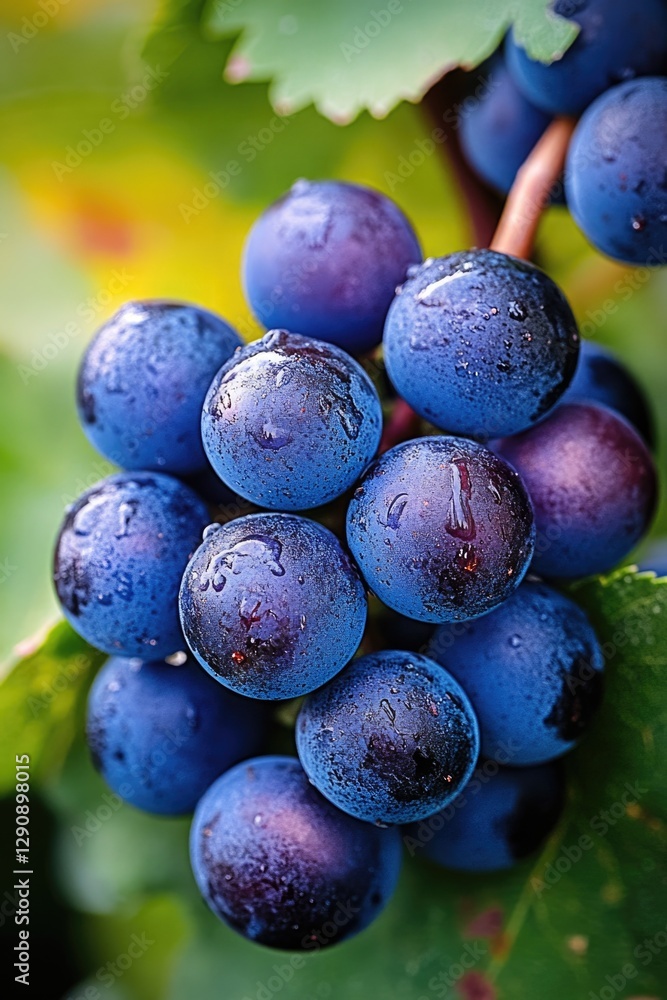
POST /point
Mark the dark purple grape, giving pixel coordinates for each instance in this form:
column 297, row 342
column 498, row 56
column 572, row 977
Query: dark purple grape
column 281, row 865
column 592, row 483
column 441, row 529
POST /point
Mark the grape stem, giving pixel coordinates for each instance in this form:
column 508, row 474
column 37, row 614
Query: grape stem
column 529, row 194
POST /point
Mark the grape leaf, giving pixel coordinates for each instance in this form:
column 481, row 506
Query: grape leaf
column 344, row 56
column 40, row 702
column 588, row 915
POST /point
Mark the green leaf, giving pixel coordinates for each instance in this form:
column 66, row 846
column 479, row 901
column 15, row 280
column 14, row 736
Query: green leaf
column 344, row 56
column 594, row 901
column 40, row 701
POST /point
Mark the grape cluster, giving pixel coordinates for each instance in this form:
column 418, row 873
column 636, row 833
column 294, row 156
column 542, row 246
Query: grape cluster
column 613, row 77
column 229, row 565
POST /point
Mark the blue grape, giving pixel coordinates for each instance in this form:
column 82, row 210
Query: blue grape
column 119, row 559
column 532, row 670
column 272, row 605
column 324, row 261
column 499, row 130
column 615, row 172
column 390, row 740
column 498, row 819
column 161, row 733
column 617, row 41
column 592, row 484
column 142, row 383
column 281, row 865
column 480, row 343
column 601, row 377
column 291, row 423
column 441, row 529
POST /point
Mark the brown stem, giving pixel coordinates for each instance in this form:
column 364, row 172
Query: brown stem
column 530, row 192
column 402, row 425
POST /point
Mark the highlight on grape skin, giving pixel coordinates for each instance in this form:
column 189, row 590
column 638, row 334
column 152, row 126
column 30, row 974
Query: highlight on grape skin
column 272, row 605
column 119, row 558
column 324, row 260
column 532, row 669
column 279, row 864
column 480, row 343
column 290, row 423
column 161, row 732
column 441, row 528
column 143, row 379
column 390, row 740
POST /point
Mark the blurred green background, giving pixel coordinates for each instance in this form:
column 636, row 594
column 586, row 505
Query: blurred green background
column 79, row 234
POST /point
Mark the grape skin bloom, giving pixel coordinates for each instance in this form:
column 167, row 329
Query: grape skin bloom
column 120, row 555
column 441, row 529
column 390, row 740
column 142, row 383
column 160, row 733
column 324, row 260
column 272, row 605
column 480, row 343
column 281, row 865
column 291, row 423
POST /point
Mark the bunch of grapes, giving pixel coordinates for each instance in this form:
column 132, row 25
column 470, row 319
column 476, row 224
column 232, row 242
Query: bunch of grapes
column 229, row 565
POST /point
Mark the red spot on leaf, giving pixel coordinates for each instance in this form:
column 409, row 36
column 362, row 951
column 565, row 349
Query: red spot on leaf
column 475, row 986
column 486, row 924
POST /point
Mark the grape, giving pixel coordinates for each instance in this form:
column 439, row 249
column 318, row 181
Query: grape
column 496, row 821
column 593, row 486
column 441, row 529
column 390, row 740
column 281, row 865
column 291, row 423
column 601, row 377
column 161, row 733
column 143, row 379
column 324, row 261
column 271, row 605
column 532, row 670
column 119, row 559
column 500, row 129
column 615, row 172
column 617, row 41
column 480, row 343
